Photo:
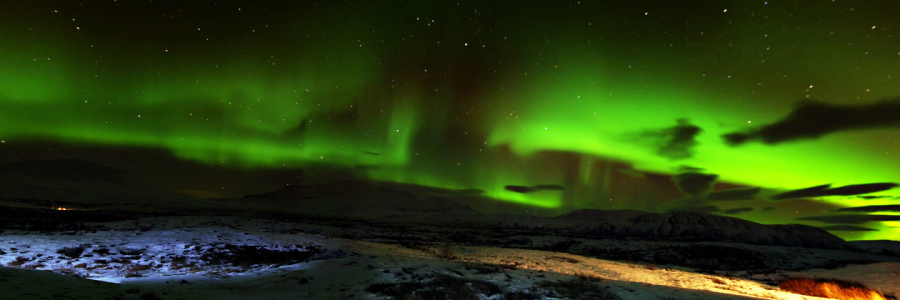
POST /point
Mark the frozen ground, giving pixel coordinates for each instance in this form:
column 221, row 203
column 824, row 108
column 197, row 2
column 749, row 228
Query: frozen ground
column 204, row 257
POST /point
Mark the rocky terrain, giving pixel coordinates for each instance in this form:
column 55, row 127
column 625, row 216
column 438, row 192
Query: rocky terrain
column 296, row 240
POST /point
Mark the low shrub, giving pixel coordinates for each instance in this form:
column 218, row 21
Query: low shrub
column 446, row 251
column 150, row 296
column 487, row 268
column 521, row 295
column 71, row 252
column 130, row 251
column 33, row 266
column 439, row 287
column 579, row 288
column 133, row 270
column 563, row 259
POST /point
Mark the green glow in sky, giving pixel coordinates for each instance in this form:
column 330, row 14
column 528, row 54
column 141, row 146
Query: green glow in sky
column 467, row 95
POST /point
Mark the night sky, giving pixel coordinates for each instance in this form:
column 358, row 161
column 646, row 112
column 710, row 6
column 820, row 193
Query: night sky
column 776, row 112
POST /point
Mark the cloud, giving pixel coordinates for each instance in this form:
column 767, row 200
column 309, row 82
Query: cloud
column 685, row 169
column 676, row 142
column 734, row 194
column 813, row 119
column 858, row 189
column 694, row 183
column 738, row 210
column 698, row 209
column 802, row 193
column 870, row 208
column 826, row 190
column 851, row 219
column 873, row 197
column 768, row 208
column 847, row 228
column 541, row 187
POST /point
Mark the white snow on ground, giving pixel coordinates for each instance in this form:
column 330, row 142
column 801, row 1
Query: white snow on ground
column 342, row 269
column 114, row 255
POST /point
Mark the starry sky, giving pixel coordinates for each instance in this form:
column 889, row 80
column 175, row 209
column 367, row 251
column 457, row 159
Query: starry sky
column 776, row 112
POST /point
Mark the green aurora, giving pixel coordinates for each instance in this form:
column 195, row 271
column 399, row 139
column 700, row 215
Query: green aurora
column 471, row 95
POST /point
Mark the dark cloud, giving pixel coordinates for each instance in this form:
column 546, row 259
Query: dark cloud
column 738, row 210
column 858, row 189
column 768, row 208
column 851, row 219
column 541, row 187
column 685, row 169
column 518, row 188
column 826, row 190
column 698, row 209
column 847, row 228
column 694, row 183
column 813, row 119
column 676, row 142
column 370, row 152
column 734, row 194
column 870, row 208
column 873, row 197
column 802, row 193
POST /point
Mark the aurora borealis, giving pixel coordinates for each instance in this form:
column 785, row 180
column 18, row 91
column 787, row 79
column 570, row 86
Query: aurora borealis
column 556, row 105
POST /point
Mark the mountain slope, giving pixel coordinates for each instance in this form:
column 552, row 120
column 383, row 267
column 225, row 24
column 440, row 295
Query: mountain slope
column 357, row 200
column 695, row 227
column 79, row 184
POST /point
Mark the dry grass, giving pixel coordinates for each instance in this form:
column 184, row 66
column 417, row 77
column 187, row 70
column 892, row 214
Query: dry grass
column 830, row 288
column 563, row 259
column 33, row 266
column 133, row 270
column 18, row 262
column 446, row 251
column 716, row 280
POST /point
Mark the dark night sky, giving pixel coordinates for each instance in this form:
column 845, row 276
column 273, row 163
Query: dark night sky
column 556, row 105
